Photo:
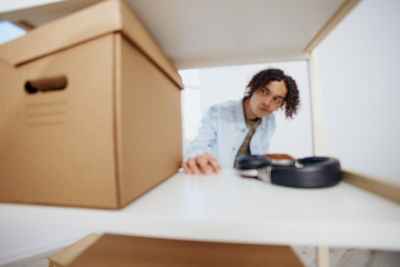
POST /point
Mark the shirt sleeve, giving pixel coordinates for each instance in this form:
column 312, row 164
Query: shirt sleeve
column 207, row 136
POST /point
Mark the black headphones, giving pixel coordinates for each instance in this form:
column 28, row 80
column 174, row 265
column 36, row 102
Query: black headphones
column 310, row 172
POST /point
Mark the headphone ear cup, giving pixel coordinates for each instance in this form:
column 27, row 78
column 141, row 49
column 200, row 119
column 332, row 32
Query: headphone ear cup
column 252, row 162
column 312, row 172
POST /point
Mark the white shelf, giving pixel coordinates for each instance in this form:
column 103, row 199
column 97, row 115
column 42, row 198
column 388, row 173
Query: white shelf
column 213, row 33
column 235, row 209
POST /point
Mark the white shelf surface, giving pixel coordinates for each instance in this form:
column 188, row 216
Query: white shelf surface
column 196, row 34
column 230, row 208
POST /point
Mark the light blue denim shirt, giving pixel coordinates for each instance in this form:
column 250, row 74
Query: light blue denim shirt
column 222, row 131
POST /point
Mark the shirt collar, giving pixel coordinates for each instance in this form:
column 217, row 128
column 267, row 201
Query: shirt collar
column 239, row 115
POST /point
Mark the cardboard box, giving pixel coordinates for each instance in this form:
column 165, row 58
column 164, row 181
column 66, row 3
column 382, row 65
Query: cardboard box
column 120, row 250
column 66, row 255
column 90, row 111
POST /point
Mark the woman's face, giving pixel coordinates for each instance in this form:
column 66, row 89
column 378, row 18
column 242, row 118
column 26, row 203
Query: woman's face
column 266, row 100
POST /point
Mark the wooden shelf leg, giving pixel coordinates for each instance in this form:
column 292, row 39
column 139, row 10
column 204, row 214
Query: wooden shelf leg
column 322, row 256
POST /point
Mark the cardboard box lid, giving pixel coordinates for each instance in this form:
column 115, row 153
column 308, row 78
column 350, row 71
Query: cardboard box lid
column 102, row 18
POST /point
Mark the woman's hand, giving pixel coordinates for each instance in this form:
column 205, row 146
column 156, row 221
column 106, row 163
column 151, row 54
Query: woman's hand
column 204, row 163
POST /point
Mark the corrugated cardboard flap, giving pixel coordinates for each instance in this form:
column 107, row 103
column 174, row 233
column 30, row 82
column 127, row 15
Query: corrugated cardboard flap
column 66, row 255
column 89, row 23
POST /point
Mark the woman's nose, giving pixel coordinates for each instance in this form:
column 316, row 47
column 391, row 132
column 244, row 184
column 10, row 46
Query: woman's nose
column 267, row 100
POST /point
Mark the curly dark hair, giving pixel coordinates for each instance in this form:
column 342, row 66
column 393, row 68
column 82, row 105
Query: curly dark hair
column 262, row 78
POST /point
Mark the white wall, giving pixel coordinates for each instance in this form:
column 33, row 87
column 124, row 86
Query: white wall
column 9, row 31
column 360, row 64
column 19, row 241
column 190, row 104
column 217, row 85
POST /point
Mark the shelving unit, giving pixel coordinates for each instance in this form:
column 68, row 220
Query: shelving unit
column 229, row 208
column 234, row 209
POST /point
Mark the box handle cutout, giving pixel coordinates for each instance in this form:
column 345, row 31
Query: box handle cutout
column 46, row 84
